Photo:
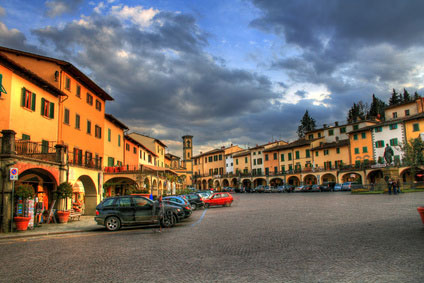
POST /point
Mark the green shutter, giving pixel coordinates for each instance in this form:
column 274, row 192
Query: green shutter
column 42, row 106
column 33, row 102
column 51, row 110
column 23, row 97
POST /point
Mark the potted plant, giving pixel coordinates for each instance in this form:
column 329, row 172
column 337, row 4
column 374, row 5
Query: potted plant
column 23, row 192
column 63, row 192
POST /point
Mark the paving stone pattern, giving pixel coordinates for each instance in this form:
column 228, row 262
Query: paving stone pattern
column 304, row 237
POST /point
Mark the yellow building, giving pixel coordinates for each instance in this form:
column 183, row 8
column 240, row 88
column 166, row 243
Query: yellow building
column 113, row 142
column 414, row 127
column 332, row 155
column 154, row 145
column 361, row 145
column 242, row 162
column 295, row 156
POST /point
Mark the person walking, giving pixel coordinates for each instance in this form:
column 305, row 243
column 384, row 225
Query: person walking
column 161, row 213
column 390, row 185
column 398, row 186
column 395, row 186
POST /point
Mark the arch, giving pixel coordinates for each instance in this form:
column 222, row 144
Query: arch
column 43, row 182
column 154, row 187
column 234, row 183
column 204, row 185
column 375, row 177
column 258, row 182
column 406, row 175
column 310, row 179
column 276, row 182
column 293, row 180
column 225, row 183
column 328, row 177
column 146, row 184
column 351, row 177
column 247, row 183
column 216, row 184
column 210, row 184
column 90, row 194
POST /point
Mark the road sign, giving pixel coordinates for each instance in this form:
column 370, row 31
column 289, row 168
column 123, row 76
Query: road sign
column 13, row 174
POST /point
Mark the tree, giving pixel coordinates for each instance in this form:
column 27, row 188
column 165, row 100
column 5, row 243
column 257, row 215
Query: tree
column 358, row 112
column 406, row 97
column 413, row 155
column 395, row 98
column 377, row 108
column 307, row 124
column 416, row 95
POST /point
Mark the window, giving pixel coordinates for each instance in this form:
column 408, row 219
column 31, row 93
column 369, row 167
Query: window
column 215, row 158
column 220, row 157
column 342, row 130
column 325, row 151
column 394, row 142
column 283, row 168
column 110, row 161
column 355, row 127
column 289, row 156
column 259, row 171
column 316, row 153
column 393, row 126
column 124, row 202
column 259, row 152
column 267, row 171
column 338, row 150
column 297, row 154
column 416, row 127
column 290, row 167
column 119, row 140
column 311, row 136
column 245, row 160
column 127, row 147
column 77, row 121
column 319, row 135
column 259, row 161
column 254, row 153
column 254, row 161
column 308, row 153
column 89, row 127
column 210, row 158
column 407, row 112
column 275, row 156
column 379, row 144
column 364, row 135
column 355, row 137
column 66, row 116
column 378, row 129
column 149, row 158
column 98, row 105
column 266, row 157
column 26, row 137
column 68, row 83
column 109, row 135
column 97, row 132
column 79, row 91
column 134, row 150
column 356, row 150
column 28, row 99
column 282, row 156
column 394, row 114
column 89, row 99
column 47, row 108
column 237, row 161
column 331, row 132
column 364, row 149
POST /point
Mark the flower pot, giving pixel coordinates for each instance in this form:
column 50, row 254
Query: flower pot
column 21, row 222
column 63, row 216
column 421, row 212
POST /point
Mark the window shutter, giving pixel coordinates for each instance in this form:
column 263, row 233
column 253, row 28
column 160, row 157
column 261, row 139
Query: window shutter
column 42, row 106
column 23, row 97
column 51, row 110
column 33, row 102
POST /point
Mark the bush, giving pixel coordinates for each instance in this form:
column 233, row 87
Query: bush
column 64, row 190
column 24, row 191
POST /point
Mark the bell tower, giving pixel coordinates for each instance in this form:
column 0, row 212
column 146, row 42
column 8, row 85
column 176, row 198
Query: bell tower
column 188, row 152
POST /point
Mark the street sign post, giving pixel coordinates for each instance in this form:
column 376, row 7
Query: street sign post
column 14, row 174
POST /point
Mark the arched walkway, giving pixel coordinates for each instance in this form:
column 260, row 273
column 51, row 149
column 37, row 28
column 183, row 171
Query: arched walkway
column 210, row 184
column 258, row 182
column 216, row 184
column 43, row 183
column 376, row 177
column 328, row 178
column 225, row 183
column 293, row 180
column 310, row 180
column 276, row 182
column 90, row 194
column 204, row 185
column 246, row 183
column 352, row 177
column 234, row 183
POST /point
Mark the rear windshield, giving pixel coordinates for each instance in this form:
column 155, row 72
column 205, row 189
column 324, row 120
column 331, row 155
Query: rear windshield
column 108, row 202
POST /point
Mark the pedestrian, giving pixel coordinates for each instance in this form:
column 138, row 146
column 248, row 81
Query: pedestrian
column 398, row 186
column 395, row 185
column 390, row 185
column 161, row 213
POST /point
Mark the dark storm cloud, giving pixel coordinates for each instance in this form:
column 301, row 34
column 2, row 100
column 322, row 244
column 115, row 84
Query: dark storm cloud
column 58, row 7
column 161, row 77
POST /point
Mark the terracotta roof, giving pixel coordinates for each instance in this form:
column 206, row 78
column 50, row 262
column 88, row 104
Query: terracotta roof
column 297, row 143
column 339, row 143
column 241, row 153
column 30, row 76
column 71, row 69
column 400, row 104
column 115, row 121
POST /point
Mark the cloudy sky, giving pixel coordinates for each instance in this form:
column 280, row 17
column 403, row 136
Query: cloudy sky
column 227, row 71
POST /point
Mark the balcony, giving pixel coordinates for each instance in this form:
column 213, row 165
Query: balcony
column 85, row 161
column 37, row 150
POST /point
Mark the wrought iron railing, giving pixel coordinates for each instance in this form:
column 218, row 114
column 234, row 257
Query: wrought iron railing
column 39, row 150
column 84, row 160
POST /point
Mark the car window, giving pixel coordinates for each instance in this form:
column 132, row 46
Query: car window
column 140, row 202
column 108, row 202
column 217, row 196
column 124, row 202
column 224, row 195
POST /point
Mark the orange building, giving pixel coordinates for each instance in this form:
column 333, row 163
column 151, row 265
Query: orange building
column 113, row 141
column 242, row 162
column 331, row 155
column 131, row 153
column 361, row 145
column 271, row 161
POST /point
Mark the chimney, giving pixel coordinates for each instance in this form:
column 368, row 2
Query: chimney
column 336, row 123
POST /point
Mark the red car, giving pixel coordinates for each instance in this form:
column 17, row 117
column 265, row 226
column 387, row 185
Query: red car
column 224, row 199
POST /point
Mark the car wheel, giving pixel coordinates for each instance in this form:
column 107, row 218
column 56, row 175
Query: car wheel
column 193, row 206
column 206, row 205
column 168, row 220
column 113, row 223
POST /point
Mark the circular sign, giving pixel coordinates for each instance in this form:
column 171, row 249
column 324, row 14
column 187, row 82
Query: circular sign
column 14, row 171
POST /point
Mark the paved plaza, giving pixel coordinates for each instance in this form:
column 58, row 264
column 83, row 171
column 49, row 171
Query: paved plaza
column 303, row 237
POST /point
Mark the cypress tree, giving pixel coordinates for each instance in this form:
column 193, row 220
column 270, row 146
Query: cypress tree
column 306, row 124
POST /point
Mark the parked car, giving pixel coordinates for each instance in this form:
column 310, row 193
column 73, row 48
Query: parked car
column 288, row 188
column 337, row 187
column 119, row 211
column 259, row 189
column 328, row 186
column 299, row 189
column 350, row 185
column 224, row 199
column 195, row 201
column 204, row 194
column 314, row 188
column 277, row 189
column 185, row 207
column 267, row 189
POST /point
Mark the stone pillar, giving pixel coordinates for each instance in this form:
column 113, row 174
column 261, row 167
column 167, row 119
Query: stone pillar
column 391, row 173
column 8, row 142
column 61, row 153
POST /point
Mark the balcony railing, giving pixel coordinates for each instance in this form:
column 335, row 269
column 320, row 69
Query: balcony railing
column 38, row 150
column 84, row 161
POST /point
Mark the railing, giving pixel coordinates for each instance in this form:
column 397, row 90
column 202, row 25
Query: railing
column 403, row 186
column 84, row 161
column 37, row 150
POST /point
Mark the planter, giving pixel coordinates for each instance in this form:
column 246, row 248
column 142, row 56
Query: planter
column 63, row 216
column 421, row 212
column 21, row 222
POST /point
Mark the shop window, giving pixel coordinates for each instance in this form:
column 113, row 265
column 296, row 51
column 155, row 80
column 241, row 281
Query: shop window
column 28, row 99
column 47, row 108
